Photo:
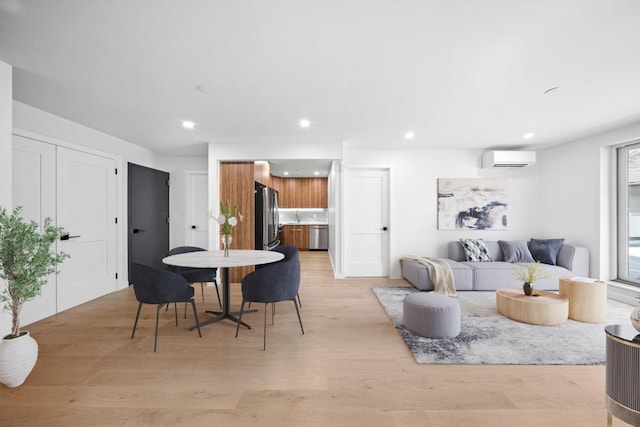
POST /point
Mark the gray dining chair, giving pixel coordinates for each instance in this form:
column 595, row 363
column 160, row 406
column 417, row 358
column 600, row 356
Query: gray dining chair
column 272, row 283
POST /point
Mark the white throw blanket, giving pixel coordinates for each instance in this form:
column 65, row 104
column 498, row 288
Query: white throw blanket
column 440, row 274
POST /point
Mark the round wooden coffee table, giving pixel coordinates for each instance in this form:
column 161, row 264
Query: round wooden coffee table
column 546, row 308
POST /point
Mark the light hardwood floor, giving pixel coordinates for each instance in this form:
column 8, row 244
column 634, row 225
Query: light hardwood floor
column 351, row 368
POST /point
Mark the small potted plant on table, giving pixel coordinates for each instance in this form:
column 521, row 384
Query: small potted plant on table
column 529, row 274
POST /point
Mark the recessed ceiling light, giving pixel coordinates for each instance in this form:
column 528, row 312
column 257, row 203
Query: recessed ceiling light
column 304, row 123
column 409, row 135
column 316, row 173
column 188, row 124
column 528, row 135
column 286, row 173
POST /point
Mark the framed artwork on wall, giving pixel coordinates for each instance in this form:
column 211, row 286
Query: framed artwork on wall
column 472, row 204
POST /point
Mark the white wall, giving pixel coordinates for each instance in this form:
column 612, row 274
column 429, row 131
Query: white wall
column 177, row 168
column 6, row 125
column 413, row 198
column 578, row 195
column 6, row 121
column 333, row 218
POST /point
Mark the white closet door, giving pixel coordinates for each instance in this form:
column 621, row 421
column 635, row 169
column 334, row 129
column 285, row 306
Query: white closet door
column 34, row 188
column 196, row 209
column 87, row 211
column 367, row 222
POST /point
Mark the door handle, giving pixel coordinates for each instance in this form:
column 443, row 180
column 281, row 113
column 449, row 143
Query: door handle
column 384, row 229
column 193, row 227
column 67, row 237
column 137, row 230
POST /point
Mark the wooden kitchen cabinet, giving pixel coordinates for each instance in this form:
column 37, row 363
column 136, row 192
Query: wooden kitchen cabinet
column 302, row 192
column 296, row 235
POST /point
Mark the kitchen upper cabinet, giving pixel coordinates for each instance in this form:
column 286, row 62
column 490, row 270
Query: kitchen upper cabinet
column 302, row 192
column 296, row 235
column 261, row 173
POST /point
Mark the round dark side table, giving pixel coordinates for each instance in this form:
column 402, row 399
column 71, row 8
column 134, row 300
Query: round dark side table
column 623, row 374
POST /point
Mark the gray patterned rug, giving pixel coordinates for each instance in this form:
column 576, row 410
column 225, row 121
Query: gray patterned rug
column 489, row 338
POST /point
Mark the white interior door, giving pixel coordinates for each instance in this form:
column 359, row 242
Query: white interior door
column 87, row 211
column 197, row 209
column 34, row 188
column 366, row 222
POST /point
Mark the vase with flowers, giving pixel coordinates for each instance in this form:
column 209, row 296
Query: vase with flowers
column 529, row 274
column 227, row 219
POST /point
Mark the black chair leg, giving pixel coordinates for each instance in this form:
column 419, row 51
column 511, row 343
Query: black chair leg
column 240, row 318
column 218, row 293
column 155, row 342
column 202, row 291
column 136, row 322
column 299, row 318
column 264, row 343
column 273, row 313
column 195, row 314
column 299, row 300
column 175, row 306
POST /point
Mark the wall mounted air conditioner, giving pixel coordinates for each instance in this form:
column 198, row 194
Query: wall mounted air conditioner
column 508, row 159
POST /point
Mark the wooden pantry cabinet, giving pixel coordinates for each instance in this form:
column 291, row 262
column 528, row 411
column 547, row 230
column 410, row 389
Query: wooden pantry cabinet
column 296, row 235
column 236, row 184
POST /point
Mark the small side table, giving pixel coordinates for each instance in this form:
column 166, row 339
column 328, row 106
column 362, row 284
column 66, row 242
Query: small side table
column 622, row 374
column 587, row 300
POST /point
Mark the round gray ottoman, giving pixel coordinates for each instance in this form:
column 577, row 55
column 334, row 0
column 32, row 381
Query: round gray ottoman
column 431, row 315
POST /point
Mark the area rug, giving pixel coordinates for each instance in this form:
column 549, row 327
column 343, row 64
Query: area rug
column 489, row 338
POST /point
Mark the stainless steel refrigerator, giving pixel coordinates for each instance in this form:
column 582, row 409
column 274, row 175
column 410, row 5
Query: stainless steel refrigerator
column 267, row 217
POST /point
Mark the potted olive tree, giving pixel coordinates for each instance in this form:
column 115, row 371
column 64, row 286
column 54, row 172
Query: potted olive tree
column 26, row 259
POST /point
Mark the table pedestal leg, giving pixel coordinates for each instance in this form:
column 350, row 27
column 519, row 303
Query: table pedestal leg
column 226, row 302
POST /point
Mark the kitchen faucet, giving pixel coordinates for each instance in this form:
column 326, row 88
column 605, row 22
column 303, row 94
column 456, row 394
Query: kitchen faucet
column 298, row 216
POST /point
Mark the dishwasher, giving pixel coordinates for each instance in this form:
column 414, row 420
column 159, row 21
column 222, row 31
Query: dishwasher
column 318, row 237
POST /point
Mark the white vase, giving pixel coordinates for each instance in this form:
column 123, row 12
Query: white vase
column 17, row 358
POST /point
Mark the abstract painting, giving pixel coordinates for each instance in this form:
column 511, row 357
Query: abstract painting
column 472, row 204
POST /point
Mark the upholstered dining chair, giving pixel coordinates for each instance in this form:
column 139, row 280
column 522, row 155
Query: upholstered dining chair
column 194, row 275
column 160, row 287
column 273, row 283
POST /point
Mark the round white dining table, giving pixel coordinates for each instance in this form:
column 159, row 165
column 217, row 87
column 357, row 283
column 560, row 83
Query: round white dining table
column 216, row 259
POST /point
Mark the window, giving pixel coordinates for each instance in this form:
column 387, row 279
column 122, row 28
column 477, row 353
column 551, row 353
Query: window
column 629, row 213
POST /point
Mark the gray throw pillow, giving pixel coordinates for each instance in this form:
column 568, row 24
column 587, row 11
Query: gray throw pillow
column 475, row 250
column 515, row 251
column 545, row 250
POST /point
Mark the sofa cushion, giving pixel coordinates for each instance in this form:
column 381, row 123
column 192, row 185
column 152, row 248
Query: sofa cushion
column 515, row 251
column 475, row 250
column 489, row 276
column 545, row 250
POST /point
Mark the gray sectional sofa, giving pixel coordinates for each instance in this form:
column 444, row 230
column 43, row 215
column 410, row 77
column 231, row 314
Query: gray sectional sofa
column 489, row 276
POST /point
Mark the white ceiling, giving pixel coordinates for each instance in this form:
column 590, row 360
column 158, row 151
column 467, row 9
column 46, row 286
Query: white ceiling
column 459, row 73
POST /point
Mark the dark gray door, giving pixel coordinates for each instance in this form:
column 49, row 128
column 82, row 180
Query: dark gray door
column 148, row 214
